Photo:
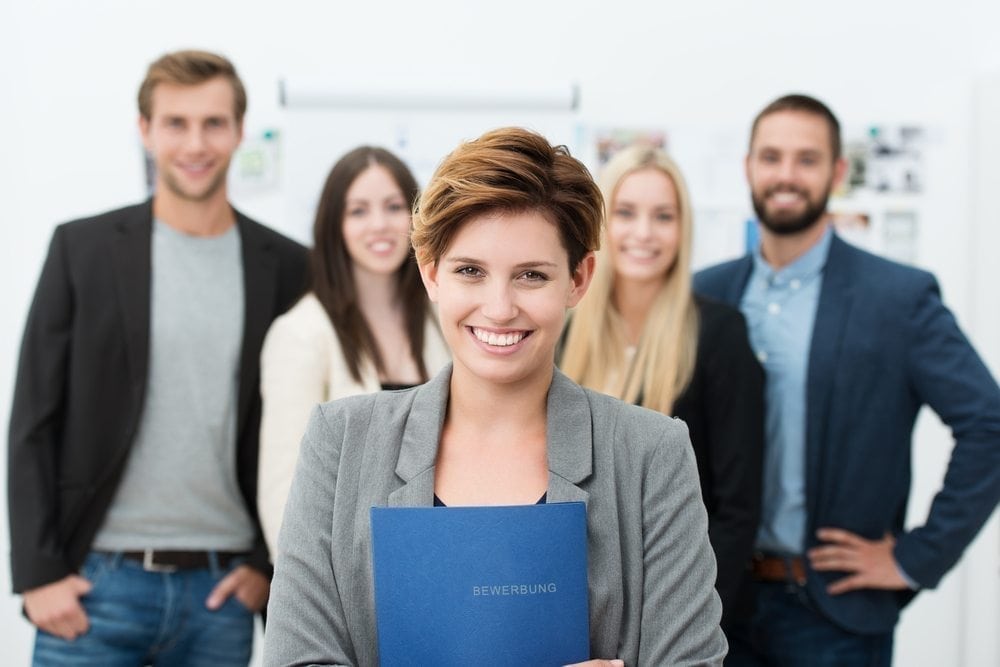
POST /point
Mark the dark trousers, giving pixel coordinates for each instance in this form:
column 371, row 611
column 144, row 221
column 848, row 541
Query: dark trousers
column 788, row 631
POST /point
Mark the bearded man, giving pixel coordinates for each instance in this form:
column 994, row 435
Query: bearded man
column 853, row 346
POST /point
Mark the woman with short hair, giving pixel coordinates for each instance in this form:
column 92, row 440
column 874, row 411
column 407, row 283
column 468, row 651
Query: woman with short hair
column 504, row 236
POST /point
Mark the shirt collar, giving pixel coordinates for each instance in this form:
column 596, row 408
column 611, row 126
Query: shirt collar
column 810, row 264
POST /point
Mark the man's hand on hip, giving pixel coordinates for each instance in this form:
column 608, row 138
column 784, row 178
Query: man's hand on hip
column 869, row 563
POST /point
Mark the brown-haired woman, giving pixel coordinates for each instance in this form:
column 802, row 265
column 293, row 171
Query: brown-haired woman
column 504, row 236
column 365, row 325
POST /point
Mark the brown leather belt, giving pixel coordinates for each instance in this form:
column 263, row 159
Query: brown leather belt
column 790, row 569
column 154, row 560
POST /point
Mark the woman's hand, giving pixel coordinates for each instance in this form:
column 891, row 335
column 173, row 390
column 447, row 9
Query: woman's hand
column 599, row 663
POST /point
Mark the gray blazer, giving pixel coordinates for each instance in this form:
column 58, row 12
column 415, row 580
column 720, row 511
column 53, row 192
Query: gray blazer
column 651, row 568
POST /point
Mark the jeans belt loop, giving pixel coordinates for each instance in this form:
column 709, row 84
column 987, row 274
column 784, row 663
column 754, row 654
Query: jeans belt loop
column 214, row 562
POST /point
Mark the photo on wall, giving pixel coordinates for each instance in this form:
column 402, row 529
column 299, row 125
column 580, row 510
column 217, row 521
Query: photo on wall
column 885, row 159
column 255, row 166
column 609, row 141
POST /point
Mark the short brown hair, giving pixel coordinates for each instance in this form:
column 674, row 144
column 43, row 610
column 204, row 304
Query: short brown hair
column 189, row 68
column 805, row 104
column 509, row 170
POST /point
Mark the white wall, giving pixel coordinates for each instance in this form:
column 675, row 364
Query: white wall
column 69, row 71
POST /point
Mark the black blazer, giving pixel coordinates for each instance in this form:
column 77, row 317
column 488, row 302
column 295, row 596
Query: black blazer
column 723, row 407
column 82, row 376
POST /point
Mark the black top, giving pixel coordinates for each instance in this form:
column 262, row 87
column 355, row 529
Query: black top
column 439, row 503
column 396, row 386
column 723, row 407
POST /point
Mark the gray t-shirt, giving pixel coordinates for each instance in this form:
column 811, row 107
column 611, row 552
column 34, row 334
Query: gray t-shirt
column 179, row 489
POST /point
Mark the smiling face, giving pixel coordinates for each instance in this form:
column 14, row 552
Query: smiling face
column 644, row 226
column 192, row 132
column 376, row 223
column 502, row 287
column 791, row 171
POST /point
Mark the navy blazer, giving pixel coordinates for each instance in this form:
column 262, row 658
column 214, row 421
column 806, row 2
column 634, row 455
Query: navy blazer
column 883, row 345
column 81, row 381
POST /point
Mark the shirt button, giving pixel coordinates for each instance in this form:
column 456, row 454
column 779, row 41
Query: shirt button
column 773, row 308
column 762, row 356
column 795, row 284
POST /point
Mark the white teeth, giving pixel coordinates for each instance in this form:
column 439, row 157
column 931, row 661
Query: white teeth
column 785, row 197
column 381, row 246
column 498, row 340
column 640, row 253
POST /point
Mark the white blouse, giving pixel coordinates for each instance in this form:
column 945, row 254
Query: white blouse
column 302, row 365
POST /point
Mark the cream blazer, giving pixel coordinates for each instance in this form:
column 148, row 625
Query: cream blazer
column 302, row 365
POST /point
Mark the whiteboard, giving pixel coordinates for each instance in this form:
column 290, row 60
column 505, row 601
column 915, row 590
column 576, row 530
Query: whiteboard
column 419, row 128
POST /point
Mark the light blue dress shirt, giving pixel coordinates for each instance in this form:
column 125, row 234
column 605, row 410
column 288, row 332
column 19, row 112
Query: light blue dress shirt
column 780, row 309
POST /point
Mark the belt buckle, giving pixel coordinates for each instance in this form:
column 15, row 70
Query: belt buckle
column 149, row 566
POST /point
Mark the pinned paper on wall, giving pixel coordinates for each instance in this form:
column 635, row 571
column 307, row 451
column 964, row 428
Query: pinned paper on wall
column 885, row 191
column 254, row 167
column 608, row 141
column 854, row 226
column 885, row 159
column 900, row 234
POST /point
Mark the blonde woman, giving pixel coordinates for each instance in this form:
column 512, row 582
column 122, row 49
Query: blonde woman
column 641, row 335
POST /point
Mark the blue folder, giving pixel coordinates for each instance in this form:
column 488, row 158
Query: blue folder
column 489, row 586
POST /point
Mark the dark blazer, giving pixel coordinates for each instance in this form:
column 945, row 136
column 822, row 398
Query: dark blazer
column 723, row 407
column 883, row 345
column 82, row 377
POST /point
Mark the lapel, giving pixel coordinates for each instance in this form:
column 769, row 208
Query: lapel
column 569, row 438
column 131, row 254
column 832, row 312
column 568, row 432
column 741, row 271
column 260, row 279
column 421, row 435
column 132, row 261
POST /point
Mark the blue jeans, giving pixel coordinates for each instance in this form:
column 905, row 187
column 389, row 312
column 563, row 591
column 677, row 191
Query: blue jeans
column 788, row 631
column 151, row 618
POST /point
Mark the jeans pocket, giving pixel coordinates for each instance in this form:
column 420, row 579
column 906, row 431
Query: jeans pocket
column 233, row 605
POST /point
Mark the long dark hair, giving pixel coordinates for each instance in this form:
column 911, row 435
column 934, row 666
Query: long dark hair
column 330, row 265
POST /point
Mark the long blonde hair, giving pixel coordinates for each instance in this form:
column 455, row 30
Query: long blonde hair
column 595, row 351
